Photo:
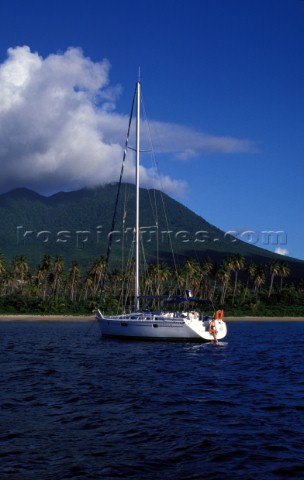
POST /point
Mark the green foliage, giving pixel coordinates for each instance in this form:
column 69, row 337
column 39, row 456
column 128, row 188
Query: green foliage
column 52, row 288
column 53, row 257
column 75, row 225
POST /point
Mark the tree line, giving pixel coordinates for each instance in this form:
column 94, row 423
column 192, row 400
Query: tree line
column 239, row 286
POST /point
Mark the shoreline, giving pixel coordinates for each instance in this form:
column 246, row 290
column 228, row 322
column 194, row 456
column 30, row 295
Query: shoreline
column 57, row 318
column 91, row 318
column 263, row 319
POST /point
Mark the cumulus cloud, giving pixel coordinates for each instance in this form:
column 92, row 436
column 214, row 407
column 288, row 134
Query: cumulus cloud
column 60, row 129
column 281, row 251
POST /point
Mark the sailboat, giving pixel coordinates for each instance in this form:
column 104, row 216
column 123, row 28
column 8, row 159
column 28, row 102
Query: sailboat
column 181, row 317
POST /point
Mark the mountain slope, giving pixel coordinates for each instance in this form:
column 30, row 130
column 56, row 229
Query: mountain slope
column 76, row 225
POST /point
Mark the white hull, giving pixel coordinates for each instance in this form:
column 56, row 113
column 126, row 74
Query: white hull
column 159, row 326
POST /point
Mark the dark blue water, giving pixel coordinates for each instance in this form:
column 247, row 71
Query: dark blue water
column 75, row 406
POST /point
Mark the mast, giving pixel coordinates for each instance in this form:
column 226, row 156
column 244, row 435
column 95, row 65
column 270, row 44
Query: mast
column 137, row 227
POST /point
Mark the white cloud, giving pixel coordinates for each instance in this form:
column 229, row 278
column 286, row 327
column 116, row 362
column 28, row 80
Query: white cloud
column 281, row 251
column 187, row 143
column 59, row 129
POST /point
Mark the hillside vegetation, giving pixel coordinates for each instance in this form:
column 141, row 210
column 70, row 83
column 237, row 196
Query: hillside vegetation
column 240, row 288
column 53, row 255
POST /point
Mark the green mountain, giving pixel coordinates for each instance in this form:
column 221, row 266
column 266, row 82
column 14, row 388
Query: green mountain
column 76, row 226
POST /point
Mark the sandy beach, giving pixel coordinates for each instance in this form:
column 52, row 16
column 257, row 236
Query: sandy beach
column 59, row 318
column 264, row 319
column 90, row 318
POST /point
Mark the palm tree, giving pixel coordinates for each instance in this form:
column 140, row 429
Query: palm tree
column 58, row 273
column 20, row 268
column 236, row 263
column 223, row 275
column 8, row 282
column 116, row 282
column 206, row 268
column 97, row 271
column 274, row 270
column 156, row 277
column 259, row 278
column 250, row 269
column 74, row 277
column 163, row 275
column 43, row 271
column 176, row 280
column 45, row 263
column 2, row 266
column 284, row 271
column 191, row 273
column 151, row 279
column 215, row 270
column 87, row 286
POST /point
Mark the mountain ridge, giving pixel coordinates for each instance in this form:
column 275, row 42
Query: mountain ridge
column 76, row 224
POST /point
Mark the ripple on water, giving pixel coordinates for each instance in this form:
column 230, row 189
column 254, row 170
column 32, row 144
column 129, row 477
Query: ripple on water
column 76, row 406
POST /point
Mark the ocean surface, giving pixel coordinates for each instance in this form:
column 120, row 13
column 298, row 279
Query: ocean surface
column 76, row 406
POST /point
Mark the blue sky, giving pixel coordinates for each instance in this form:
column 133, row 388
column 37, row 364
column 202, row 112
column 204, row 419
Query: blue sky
column 223, row 87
